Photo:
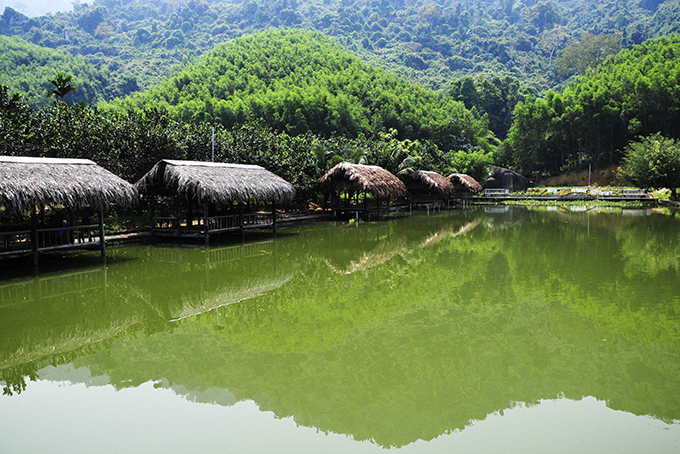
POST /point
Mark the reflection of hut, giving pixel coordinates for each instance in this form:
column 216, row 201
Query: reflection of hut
column 427, row 187
column 65, row 193
column 349, row 250
column 502, row 178
column 463, row 183
column 450, row 231
column 355, row 180
column 223, row 193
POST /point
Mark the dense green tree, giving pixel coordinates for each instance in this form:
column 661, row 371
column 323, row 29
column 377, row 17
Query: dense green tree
column 62, row 85
column 635, row 93
column 589, row 52
column 297, row 81
column 653, row 162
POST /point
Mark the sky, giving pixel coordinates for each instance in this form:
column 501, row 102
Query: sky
column 32, row 8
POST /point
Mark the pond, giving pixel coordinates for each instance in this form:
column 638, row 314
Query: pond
column 492, row 329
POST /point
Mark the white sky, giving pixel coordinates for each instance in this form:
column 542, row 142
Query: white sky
column 32, row 8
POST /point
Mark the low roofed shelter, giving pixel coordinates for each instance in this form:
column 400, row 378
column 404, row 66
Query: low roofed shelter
column 60, row 190
column 502, row 178
column 220, row 187
column 464, row 183
column 425, row 186
column 360, row 180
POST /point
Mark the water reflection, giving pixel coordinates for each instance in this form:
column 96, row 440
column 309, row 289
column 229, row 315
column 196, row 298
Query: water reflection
column 390, row 332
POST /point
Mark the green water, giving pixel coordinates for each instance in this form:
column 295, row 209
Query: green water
column 499, row 329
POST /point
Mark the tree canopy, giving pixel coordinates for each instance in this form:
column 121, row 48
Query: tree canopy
column 297, row 81
column 635, row 93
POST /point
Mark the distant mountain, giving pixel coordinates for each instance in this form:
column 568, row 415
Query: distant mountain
column 298, row 81
column 430, row 42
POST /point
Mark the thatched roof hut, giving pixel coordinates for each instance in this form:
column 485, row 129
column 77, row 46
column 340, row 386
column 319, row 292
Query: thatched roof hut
column 427, row 181
column 212, row 182
column 358, row 178
column 75, row 183
column 462, row 182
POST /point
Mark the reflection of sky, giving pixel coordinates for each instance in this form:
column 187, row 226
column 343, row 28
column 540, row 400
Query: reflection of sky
column 59, row 416
column 33, row 8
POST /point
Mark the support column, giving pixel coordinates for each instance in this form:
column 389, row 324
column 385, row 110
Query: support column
column 274, row 216
column 34, row 234
column 206, row 226
column 102, row 236
column 179, row 218
column 240, row 220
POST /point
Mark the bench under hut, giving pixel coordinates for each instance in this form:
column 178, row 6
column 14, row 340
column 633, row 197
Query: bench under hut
column 361, row 188
column 464, row 184
column 428, row 188
column 46, row 204
column 197, row 199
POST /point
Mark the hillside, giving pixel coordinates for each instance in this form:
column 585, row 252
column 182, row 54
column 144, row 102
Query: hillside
column 26, row 67
column 298, row 81
column 633, row 94
column 428, row 41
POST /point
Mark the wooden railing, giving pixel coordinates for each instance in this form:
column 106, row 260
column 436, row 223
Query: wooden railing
column 53, row 237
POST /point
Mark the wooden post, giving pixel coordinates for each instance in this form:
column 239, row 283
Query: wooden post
column 102, row 236
column 152, row 212
column 205, row 225
column 179, row 218
column 274, row 216
column 34, row 234
column 240, row 220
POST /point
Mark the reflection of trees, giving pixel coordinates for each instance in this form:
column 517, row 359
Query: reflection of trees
column 491, row 320
column 650, row 247
column 421, row 344
column 51, row 318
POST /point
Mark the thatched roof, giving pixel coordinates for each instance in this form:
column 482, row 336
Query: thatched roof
column 462, row 181
column 362, row 178
column 425, row 180
column 213, row 182
column 74, row 183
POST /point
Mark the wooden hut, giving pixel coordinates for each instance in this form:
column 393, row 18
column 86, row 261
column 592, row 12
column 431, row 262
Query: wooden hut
column 357, row 182
column 46, row 204
column 222, row 195
column 426, row 187
column 463, row 183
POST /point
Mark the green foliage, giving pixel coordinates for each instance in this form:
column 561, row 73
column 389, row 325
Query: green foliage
column 495, row 96
column 431, row 42
column 296, row 81
column 653, row 162
column 26, row 68
column 589, row 52
column 474, row 163
column 597, row 115
column 61, row 86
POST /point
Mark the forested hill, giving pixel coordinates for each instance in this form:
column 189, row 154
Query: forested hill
column 428, row 41
column 27, row 67
column 635, row 94
column 298, row 81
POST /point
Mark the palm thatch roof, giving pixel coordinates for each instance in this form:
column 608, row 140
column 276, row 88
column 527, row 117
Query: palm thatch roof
column 75, row 183
column 425, row 180
column 213, row 182
column 363, row 178
column 464, row 182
